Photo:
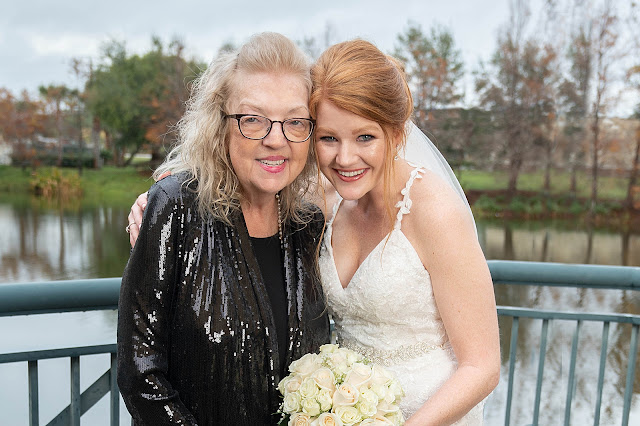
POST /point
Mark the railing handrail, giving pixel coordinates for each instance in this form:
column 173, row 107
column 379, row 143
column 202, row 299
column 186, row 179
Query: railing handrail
column 565, row 274
column 102, row 293
column 59, row 296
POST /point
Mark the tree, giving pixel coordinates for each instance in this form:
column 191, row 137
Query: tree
column 138, row 98
column 55, row 95
column 434, row 69
column 574, row 98
column 518, row 90
column 20, row 121
column 605, row 38
column 633, row 75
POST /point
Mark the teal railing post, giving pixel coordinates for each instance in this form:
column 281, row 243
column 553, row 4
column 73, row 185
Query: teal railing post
column 571, row 386
column 34, row 409
column 512, row 367
column 76, row 409
column 631, row 373
column 603, row 361
column 542, row 355
column 115, row 393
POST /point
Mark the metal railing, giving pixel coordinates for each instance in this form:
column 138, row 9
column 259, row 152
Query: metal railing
column 65, row 296
column 102, row 294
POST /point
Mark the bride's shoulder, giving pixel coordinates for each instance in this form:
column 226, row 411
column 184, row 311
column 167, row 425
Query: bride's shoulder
column 433, row 201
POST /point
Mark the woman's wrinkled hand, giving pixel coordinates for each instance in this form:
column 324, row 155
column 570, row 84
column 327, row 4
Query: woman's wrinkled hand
column 135, row 217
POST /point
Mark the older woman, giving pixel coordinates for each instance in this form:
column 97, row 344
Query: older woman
column 219, row 293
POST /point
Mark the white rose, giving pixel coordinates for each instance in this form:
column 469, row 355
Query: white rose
column 291, row 402
column 396, row 418
column 368, row 395
column 281, row 385
column 292, row 384
column 327, row 349
column 300, row 419
column 328, row 419
column 380, row 390
column 352, row 357
column 325, row 399
column 396, row 388
column 310, row 406
column 305, row 365
column 348, row 415
column 377, row 421
column 390, row 397
column 385, row 408
column 345, row 395
column 380, row 375
column 366, row 408
column 308, row 388
column 338, row 362
column 324, row 378
column 359, row 375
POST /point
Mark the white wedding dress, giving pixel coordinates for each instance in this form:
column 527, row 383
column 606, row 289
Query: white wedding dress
column 388, row 313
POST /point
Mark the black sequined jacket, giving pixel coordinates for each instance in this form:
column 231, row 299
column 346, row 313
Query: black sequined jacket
column 194, row 322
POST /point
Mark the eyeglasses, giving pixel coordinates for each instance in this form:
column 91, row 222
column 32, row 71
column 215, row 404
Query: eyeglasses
column 257, row 127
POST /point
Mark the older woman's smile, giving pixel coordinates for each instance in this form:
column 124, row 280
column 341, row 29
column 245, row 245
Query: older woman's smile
column 273, row 164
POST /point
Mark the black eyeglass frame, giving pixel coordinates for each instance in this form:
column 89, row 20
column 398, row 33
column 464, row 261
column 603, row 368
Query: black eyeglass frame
column 237, row 117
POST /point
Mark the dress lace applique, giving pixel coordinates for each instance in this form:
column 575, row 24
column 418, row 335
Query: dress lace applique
column 388, row 313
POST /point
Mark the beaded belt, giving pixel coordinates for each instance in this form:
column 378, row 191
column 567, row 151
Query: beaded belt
column 390, row 357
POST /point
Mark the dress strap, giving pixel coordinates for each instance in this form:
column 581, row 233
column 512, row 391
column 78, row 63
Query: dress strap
column 336, row 206
column 404, row 206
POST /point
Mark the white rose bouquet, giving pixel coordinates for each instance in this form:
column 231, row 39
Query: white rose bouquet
column 339, row 387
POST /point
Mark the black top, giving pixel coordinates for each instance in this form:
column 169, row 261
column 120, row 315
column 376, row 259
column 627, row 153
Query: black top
column 268, row 252
column 195, row 324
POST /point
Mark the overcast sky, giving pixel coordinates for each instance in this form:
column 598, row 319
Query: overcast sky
column 38, row 38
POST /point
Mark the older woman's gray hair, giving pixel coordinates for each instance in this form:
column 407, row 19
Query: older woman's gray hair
column 203, row 145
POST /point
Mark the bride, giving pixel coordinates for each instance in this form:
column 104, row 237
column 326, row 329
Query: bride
column 405, row 278
column 404, row 275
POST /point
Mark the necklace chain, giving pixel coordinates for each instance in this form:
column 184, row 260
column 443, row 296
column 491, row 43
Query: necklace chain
column 279, row 218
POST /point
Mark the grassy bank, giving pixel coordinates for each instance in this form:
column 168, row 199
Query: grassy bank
column 486, row 192
column 110, row 185
column 489, row 199
column 609, row 188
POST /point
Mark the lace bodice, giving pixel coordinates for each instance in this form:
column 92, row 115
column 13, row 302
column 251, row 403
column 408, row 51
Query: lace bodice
column 388, row 311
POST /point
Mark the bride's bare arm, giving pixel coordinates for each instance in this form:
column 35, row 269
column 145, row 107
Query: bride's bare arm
column 443, row 233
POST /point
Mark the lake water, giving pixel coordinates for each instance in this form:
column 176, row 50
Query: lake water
column 40, row 244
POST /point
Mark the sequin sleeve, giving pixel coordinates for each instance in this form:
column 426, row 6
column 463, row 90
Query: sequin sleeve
column 145, row 312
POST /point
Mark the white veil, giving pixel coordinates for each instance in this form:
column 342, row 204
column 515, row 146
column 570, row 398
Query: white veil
column 420, row 151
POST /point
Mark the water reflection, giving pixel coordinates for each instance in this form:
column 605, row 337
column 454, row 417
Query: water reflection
column 558, row 242
column 42, row 245
column 90, row 242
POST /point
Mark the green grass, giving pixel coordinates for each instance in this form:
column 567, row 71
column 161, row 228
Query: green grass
column 110, row 185
column 609, row 188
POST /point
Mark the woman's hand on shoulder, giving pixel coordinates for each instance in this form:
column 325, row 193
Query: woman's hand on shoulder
column 135, row 217
column 136, row 213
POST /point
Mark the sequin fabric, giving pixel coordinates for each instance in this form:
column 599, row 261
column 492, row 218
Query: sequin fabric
column 388, row 313
column 195, row 339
